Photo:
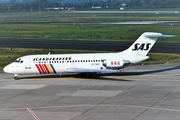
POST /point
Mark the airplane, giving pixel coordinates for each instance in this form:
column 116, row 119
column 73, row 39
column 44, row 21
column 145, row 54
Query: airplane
column 87, row 63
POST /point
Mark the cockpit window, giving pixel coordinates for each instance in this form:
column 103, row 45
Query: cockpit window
column 18, row 61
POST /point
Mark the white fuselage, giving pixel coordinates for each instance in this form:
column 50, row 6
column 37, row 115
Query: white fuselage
column 59, row 63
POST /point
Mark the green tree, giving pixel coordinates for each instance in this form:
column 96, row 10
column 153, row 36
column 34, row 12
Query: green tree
column 155, row 3
column 41, row 4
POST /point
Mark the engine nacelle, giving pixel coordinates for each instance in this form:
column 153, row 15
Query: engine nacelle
column 115, row 63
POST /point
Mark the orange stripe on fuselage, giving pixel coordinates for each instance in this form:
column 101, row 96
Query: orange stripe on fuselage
column 48, row 71
column 49, row 68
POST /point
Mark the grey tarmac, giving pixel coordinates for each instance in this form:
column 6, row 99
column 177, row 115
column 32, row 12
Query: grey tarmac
column 143, row 92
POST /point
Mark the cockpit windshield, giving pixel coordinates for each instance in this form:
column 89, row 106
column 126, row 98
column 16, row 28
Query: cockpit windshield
column 18, row 60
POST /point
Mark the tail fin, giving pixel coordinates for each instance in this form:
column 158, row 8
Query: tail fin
column 144, row 43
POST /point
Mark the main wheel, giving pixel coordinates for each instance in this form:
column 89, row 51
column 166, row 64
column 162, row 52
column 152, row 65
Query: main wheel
column 16, row 77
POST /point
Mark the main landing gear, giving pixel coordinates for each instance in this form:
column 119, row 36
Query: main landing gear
column 16, row 76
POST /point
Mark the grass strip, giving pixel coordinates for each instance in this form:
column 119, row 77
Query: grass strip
column 86, row 32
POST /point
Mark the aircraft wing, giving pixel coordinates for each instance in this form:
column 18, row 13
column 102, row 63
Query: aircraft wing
column 86, row 70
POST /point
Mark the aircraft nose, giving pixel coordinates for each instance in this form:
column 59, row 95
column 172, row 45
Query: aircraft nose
column 7, row 69
column 13, row 69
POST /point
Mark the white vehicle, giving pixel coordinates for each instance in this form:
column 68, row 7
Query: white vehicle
column 85, row 63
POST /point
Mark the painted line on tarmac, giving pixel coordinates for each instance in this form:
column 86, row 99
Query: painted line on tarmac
column 161, row 74
column 33, row 114
column 84, row 79
column 96, row 105
column 54, row 79
column 145, row 77
column 154, row 78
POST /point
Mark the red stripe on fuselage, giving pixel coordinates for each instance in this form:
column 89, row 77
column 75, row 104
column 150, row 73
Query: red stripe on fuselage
column 47, row 69
column 44, row 68
column 41, row 67
column 37, row 66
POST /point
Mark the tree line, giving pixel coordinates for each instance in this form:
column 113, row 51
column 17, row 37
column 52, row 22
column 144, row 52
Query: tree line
column 154, row 3
column 40, row 5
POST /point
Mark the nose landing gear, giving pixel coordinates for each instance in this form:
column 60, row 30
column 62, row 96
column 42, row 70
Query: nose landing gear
column 16, row 76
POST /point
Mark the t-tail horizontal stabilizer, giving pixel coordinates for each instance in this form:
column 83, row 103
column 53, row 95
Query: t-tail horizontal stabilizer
column 158, row 35
column 144, row 43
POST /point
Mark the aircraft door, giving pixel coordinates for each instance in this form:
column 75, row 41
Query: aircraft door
column 27, row 63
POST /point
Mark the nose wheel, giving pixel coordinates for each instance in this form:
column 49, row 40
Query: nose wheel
column 16, row 77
